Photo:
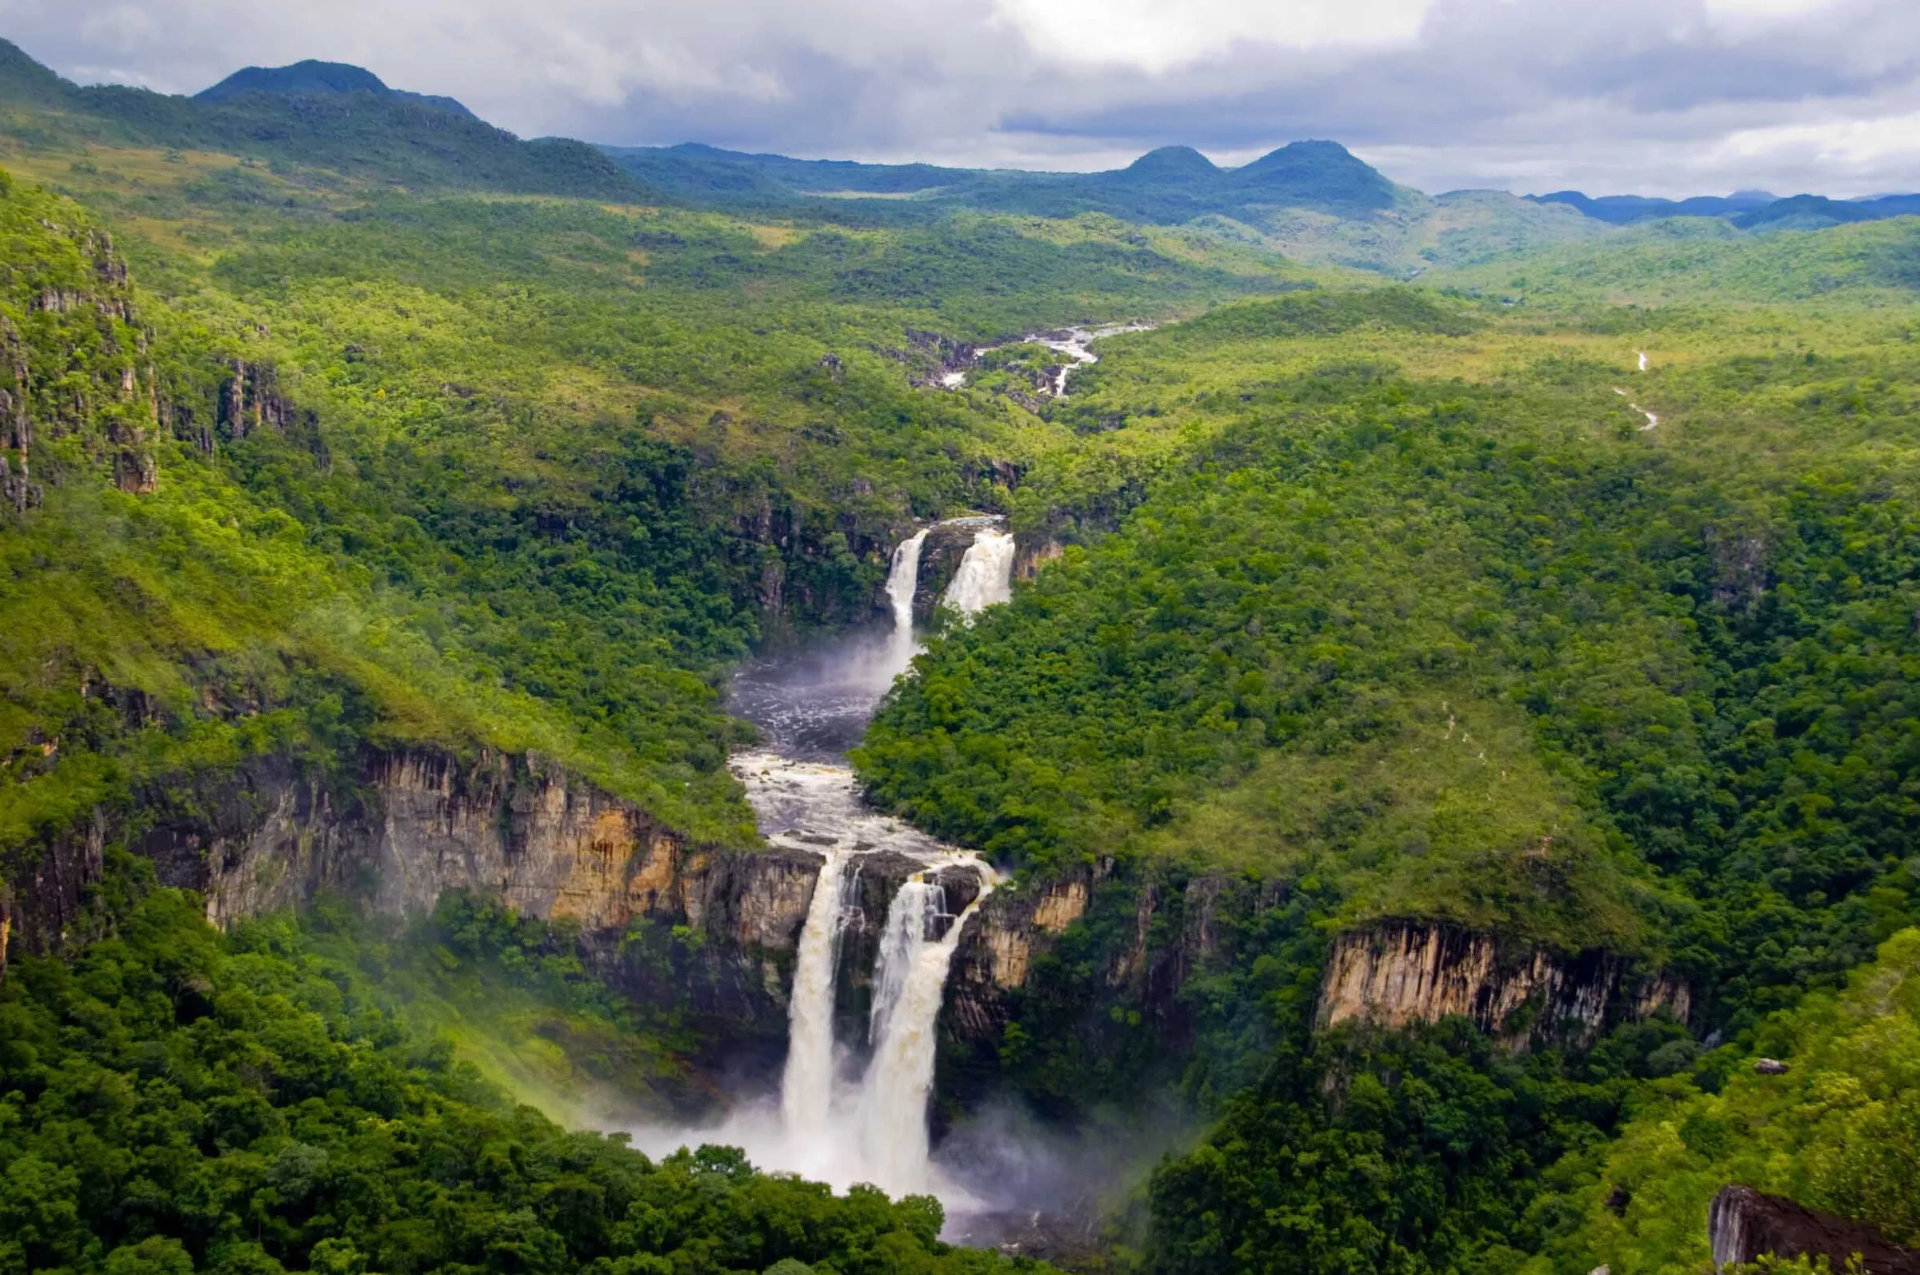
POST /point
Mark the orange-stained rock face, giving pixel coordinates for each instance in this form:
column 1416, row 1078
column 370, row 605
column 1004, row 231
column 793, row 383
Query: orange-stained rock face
column 1064, row 903
column 1399, row 973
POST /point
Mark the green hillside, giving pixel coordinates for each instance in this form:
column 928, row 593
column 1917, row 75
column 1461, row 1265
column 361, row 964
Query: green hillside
column 1559, row 594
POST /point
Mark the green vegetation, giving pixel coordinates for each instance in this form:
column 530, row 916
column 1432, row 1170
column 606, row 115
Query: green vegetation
column 175, row 1101
column 1372, row 602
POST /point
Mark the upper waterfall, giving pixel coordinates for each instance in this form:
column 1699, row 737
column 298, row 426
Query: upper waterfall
column 903, row 577
column 985, row 577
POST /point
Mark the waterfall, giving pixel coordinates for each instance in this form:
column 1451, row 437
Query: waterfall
column 914, row 911
column 806, row 1088
column 911, row 984
column 986, row 573
column 902, row 579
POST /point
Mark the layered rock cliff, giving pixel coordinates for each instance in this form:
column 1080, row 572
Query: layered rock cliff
column 712, row 930
column 1399, row 973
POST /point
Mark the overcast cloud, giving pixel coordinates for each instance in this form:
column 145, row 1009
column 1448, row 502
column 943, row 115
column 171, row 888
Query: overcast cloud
column 1655, row 96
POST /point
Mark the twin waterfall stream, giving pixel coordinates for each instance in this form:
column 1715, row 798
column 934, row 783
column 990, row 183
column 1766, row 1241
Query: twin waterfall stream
column 856, row 1111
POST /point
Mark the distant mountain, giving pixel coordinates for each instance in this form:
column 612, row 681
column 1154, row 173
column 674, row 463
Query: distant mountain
column 319, row 113
column 1171, row 164
column 1171, row 185
column 1626, row 210
column 311, row 78
column 1816, row 212
column 1324, row 175
column 1747, row 209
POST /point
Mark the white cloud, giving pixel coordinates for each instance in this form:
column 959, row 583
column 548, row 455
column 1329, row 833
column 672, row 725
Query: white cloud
column 1156, row 36
column 1659, row 95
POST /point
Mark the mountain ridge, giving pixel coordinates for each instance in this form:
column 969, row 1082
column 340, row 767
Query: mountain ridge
column 311, row 76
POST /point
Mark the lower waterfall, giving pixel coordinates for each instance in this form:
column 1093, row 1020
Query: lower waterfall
column 806, row 1087
column 911, row 984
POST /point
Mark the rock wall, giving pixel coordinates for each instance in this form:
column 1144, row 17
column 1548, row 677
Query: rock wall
column 412, row 825
column 1400, row 973
column 1744, row 1225
column 1030, row 556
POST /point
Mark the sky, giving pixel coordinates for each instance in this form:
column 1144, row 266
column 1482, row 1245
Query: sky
column 1661, row 97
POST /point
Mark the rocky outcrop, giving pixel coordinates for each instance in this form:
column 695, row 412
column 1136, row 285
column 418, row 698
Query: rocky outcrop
column 1744, row 1225
column 413, row 825
column 1399, row 973
column 1029, row 557
column 932, row 357
column 1169, row 931
column 250, row 400
column 996, row 954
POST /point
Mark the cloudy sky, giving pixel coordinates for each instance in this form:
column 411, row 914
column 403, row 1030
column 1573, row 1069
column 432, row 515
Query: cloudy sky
column 1655, row 96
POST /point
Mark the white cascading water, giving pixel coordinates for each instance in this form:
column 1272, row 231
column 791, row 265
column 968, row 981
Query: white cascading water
column 910, row 986
column 985, row 577
column 916, row 907
column 903, row 577
column 806, row 1087
column 873, row 1130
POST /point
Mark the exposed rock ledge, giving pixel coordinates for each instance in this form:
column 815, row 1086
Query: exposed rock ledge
column 1399, row 973
column 1744, row 1225
column 1395, row 974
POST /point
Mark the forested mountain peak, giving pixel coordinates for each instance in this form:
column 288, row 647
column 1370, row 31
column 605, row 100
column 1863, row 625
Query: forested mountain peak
column 1173, row 163
column 330, row 117
column 1316, row 173
column 312, row 77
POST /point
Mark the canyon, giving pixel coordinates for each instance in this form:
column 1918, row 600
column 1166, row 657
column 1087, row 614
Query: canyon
column 835, row 963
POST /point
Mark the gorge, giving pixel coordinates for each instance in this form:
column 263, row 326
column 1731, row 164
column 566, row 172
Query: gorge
column 855, row 1110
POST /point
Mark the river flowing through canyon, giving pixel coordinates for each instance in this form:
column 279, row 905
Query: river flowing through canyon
column 856, row 1110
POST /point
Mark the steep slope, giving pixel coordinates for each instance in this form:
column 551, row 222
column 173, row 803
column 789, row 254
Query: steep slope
column 1836, row 1128
column 264, row 1102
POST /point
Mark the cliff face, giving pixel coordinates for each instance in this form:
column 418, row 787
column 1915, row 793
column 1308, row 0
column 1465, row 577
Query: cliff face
column 1744, row 1225
column 1399, row 973
column 413, row 825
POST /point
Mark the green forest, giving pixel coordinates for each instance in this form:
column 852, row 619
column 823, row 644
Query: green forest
column 1446, row 563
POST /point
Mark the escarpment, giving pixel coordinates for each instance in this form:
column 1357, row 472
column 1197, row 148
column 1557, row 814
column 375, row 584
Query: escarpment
column 1106, row 942
column 711, row 929
column 1400, row 973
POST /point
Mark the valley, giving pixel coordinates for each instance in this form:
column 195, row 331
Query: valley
column 662, row 710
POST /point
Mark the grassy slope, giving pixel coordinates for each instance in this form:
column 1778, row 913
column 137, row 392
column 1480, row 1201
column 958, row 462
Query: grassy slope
column 1682, row 261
